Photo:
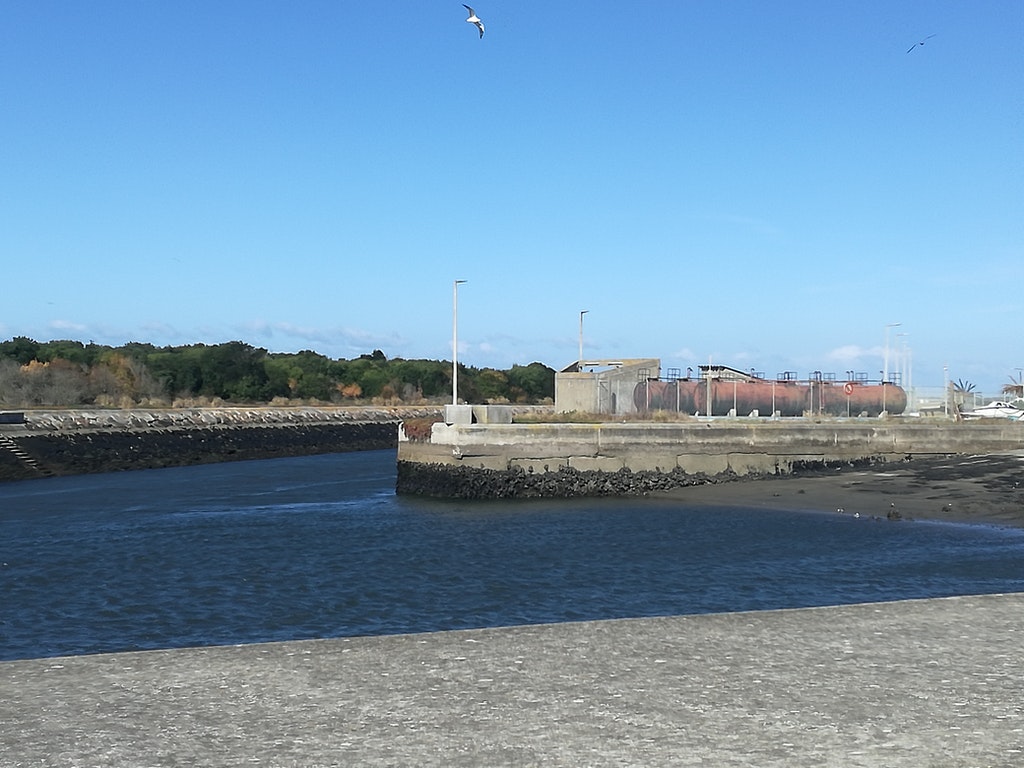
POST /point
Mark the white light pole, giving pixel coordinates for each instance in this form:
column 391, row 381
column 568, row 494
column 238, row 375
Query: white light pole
column 579, row 363
column 455, row 341
column 900, row 363
column 945, row 388
column 885, row 369
column 906, row 376
column 910, row 374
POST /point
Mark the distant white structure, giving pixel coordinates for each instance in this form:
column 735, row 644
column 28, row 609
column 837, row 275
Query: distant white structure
column 997, row 409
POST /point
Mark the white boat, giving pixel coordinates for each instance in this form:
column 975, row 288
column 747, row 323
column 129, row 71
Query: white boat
column 997, row 409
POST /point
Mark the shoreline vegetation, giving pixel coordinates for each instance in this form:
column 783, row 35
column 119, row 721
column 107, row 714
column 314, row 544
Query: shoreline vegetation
column 72, row 374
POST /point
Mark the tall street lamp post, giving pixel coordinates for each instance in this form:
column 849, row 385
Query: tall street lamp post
column 945, row 388
column 455, row 341
column 579, row 362
column 885, row 370
column 898, row 363
column 906, row 375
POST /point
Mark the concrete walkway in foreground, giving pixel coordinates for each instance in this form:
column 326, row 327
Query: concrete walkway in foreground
column 916, row 683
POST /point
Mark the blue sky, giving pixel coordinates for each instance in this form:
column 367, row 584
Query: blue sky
column 763, row 185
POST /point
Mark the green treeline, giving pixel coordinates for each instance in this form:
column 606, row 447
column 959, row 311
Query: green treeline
column 70, row 373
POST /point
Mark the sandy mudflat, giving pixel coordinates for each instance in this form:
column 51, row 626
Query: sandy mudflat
column 965, row 489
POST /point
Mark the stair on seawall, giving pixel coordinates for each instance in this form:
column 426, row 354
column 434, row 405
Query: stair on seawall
column 9, row 444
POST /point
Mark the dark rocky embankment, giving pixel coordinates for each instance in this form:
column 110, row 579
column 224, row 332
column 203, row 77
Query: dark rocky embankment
column 68, row 443
column 466, row 482
column 462, row 481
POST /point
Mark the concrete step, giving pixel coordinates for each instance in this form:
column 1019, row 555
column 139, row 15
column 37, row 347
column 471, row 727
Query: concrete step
column 8, row 444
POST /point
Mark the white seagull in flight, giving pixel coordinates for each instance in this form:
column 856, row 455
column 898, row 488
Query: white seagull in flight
column 474, row 19
column 920, row 43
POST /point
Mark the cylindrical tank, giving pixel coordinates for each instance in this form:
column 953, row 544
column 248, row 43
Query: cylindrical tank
column 787, row 398
column 649, row 395
column 854, row 399
column 675, row 396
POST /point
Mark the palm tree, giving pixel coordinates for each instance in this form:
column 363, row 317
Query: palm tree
column 961, row 389
column 1015, row 387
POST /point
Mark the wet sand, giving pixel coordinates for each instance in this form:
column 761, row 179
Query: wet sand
column 963, row 489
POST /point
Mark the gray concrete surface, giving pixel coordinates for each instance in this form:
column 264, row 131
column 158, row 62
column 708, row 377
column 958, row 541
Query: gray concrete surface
column 744, row 446
column 916, row 683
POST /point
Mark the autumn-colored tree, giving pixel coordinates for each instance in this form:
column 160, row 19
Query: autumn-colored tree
column 351, row 391
column 123, row 378
column 57, row 382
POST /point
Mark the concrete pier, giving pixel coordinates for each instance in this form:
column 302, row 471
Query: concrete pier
column 513, row 460
column 916, row 683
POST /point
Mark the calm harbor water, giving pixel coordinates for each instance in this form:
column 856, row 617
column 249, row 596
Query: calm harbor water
column 322, row 547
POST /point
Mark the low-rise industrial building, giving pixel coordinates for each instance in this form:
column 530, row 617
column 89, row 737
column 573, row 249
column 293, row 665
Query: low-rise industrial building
column 602, row 386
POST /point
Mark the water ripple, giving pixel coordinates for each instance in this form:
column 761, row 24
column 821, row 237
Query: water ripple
column 321, row 547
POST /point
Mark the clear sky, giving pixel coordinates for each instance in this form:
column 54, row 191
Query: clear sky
column 763, row 185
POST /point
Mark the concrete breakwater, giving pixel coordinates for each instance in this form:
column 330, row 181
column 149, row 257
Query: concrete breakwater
column 552, row 460
column 902, row 685
column 51, row 443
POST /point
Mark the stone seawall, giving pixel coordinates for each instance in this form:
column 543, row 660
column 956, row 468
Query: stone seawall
column 550, row 460
column 78, row 442
column 466, row 482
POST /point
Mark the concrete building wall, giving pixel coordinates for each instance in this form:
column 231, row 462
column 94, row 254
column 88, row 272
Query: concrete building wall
column 607, row 387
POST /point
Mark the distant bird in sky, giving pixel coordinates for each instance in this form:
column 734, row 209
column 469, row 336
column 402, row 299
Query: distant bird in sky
column 474, row 19
column 921, row 42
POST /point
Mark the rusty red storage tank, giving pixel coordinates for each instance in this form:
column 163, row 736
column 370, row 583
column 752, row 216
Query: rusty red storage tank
column 854, row 399
column 691, row 396
column 676, row 395
column 746, row 396
column 650, row 395
column 787, row 398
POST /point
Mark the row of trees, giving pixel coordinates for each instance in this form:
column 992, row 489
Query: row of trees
column 68, row 373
